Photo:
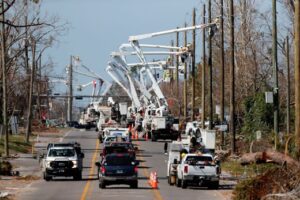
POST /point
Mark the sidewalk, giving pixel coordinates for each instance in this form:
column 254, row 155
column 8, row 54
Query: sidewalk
column 28, row 165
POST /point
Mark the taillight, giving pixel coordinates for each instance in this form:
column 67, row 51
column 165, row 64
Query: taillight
column 136, row 169
column 186, row 169
column 102, row 170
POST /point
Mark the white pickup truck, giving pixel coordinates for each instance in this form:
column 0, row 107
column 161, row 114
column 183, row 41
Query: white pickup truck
column 198, row 169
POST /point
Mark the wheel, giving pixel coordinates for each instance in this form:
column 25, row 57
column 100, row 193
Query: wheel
column 178, row 182
column 102, row 184
column 214, row 185
column 78, row 176
column 46, row 177
column 153, row 138
column 183, row 184
column 134, row 184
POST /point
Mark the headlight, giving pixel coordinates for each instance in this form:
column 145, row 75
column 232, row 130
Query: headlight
column 74, row 163
column 48, row 164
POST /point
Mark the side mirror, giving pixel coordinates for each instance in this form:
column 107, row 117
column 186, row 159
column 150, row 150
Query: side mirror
column 82, row 155
column 136, row 148
column 42, row 156
column 101, row 154
column 97, row 164
column 137, row 162
column 175, row 161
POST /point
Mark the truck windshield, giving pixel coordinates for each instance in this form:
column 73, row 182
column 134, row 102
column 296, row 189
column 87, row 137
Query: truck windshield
column 199, row 160
column 61, row 153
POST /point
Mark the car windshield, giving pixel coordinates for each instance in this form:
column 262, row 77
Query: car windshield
column 118, row 160
column 201, row 160
column 61, row 153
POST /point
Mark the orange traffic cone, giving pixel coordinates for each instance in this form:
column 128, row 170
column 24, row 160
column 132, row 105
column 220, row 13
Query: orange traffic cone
column 150, row 181
column 155, row 181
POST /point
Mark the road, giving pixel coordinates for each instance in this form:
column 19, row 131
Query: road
column 152, row 158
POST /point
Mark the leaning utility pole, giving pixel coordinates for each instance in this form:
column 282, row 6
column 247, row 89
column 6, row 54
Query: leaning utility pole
column 29, row 114
column 70, row 98
column 222, row 68
column 185, row 80
column 203, row 73
column 297, row 77
column 275, row 72
column 232, row 77
column 210, row 70
column 193, row 65
column 287, row 51
column 4, row 87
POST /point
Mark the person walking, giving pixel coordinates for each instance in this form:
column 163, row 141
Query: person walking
column 166, row 147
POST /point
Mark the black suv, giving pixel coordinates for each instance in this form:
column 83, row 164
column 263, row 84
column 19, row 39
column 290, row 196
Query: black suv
column 117, row 168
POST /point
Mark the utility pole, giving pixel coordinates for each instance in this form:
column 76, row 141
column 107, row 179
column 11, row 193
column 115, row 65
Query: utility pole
column 185, row 80
column 210, row 70
column 287, row 51
column 297, row 77
column 177, row 66
column 275, row 72
column 169, row 70
column 4, row 87
column 70, row 98
column 275, row 69
column 232, row 77
column 29, row 114
column 222, row 69
column 203, row 73
column 193, row 65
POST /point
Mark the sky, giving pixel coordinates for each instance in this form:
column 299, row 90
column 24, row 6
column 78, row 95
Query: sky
column 98, row 27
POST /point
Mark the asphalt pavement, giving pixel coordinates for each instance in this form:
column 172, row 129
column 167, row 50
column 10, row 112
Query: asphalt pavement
column 152, row 159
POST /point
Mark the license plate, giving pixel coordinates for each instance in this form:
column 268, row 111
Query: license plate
column 61, row 164
column 119, row 171
column 61, row 171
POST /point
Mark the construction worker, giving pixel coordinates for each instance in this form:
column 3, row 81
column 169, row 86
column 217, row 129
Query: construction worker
column 166, row 147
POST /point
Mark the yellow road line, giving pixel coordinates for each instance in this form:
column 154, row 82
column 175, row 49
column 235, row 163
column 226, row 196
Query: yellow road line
column 87, row 185
column 146, row 173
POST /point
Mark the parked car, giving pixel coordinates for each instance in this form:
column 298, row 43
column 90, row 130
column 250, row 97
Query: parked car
column 118, row 169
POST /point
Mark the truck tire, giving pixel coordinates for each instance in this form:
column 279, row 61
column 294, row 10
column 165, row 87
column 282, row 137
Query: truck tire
column 46, row 177
column 134, row 185
column 78, row 176
column 178, row 182
column 183, row 184
column 153, row 138
column 214, row 185
column 102, row 184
